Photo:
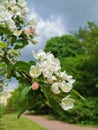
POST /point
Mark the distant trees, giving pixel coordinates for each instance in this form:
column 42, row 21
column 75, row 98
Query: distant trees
column 88, row 38
column 64, row 46
column 78, row 53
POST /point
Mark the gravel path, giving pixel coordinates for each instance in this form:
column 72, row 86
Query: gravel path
column 54, row 124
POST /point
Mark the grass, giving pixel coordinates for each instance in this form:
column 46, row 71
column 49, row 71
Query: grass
column 10, row 122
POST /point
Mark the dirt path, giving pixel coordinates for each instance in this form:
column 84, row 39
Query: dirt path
column 55, row 125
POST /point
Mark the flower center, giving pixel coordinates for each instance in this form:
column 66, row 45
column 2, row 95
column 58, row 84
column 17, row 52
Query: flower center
column 35, row 71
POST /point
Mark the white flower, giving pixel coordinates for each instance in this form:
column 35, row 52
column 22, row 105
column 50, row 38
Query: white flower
column 71, row 81
column 66, row 87
column 25, row 10
column 11, row 25
column 12, row 3
column 6, row 19
column 9, row 3
column 53, row 62
column 5, row 15
column 50, row 57
column 41, row 55
column 67, row 103
column 46, row 69
column 2, row 8
column 17, row 32
column 46, row 73
column 35, row 71
column 32, row 23
column 51, row 79
column 56, row 88
column 56, row 64
column 22, row 3
column 48, row 61
column 16, row 10
column 63, row 75
column 48, row 64
column 66, row 77
column 6, row 3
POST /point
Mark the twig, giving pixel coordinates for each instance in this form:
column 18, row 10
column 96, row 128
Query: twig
column 21, row 73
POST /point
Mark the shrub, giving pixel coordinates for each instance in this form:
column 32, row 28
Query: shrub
column 84, row 112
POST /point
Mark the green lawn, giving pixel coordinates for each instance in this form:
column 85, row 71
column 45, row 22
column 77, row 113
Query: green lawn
column 10, row 122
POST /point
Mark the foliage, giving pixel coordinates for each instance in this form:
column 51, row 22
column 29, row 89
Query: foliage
column 2, row 110
column 88, row 38
column 85, row 112
column 64, row 46
column 12, row 102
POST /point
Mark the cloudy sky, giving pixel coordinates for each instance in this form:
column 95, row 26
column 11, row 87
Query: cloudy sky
column 58, row 17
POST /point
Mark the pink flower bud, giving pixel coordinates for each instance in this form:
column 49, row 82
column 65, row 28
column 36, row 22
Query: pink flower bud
column 27, row 31
column 35, row 86
column 32, row 30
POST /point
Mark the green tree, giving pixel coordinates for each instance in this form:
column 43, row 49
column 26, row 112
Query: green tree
column 78, row 54
column 89, row 41
column 64, row 46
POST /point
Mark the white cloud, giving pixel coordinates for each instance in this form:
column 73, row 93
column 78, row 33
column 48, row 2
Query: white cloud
column 50, row 27
column 45, row 28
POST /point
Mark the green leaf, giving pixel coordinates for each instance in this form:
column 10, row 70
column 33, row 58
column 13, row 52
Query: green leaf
column 32, row 62
column 54, row 102
column 19, row 44
column 23, row 106
column 3, row 44
column 45, row 93
column 24, row 93
column 77, row 93
column 2, row 70
column 4, row 29
column 3, row 65
column 45, row 90
column 22, row 66
column 10, row 71
column 23, row 101
column 50, row 99
column 15, row 52
column 1, row 28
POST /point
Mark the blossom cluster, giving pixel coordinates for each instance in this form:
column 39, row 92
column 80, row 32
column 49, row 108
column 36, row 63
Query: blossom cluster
column 60, row 82
column 13, row 22
column 10, row 10
column 13, row 16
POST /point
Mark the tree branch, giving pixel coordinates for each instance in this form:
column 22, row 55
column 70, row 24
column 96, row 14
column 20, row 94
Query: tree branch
column 21, row 73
